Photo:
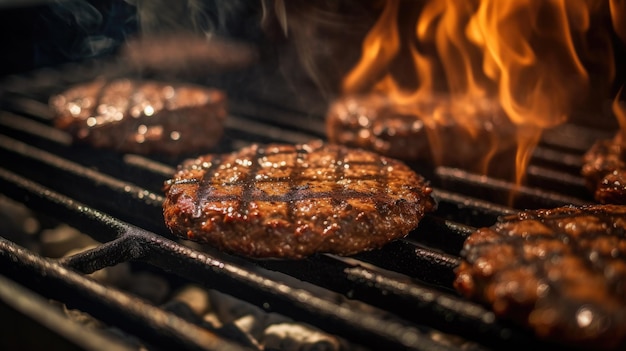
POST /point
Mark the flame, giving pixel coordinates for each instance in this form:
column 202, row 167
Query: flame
column 380, row 46
column 618, row 17
column 531, row 80
column 522, row 56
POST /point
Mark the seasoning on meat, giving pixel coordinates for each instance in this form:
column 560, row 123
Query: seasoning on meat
column 373, row 122
column 561, row 272
column 291, row 201
column 604, row 168
column 142, row 116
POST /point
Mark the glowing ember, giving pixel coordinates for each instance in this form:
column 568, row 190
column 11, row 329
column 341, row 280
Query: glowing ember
column 524, row 56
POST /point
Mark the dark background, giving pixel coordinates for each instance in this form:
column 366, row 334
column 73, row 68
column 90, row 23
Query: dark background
column 39, row 33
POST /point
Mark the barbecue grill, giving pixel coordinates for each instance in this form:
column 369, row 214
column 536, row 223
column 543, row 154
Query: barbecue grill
column 397, row 297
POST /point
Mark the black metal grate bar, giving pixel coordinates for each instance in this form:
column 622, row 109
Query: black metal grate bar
column 19, row 306
column 106, row 303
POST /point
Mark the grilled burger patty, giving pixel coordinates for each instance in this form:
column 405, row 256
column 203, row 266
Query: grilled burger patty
column 604, row 168
column 142, row 116
column 291, row 201
column 562, row 272
column 375, row 123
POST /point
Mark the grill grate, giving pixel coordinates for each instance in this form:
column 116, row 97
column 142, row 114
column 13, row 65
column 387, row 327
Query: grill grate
column 399, row 296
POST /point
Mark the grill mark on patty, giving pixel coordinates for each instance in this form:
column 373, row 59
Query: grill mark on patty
column 249, row 186
column 249, row 183
column 294, row 178
column 552, row 222
column 597, row 265
column 284, row 179
column 297, row 195
column 581, row 246
column 204, row 186
column 339, row 173
column 382, row 165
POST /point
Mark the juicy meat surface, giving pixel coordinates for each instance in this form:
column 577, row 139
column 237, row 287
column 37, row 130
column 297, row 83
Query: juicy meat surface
column 561, row 272
column 428, row 131
column 142, row 116
column 604, row 169
column 291, row 201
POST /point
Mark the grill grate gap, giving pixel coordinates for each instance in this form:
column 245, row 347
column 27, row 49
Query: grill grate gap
column 445, row 235
column 561, row 182
column 500, row 191
column 571, row 162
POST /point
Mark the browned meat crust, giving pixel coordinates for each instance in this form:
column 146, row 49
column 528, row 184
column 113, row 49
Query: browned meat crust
column 142, row 116
column 373, row 122
column 291, row 201
column 604, row 169
column 561, row 272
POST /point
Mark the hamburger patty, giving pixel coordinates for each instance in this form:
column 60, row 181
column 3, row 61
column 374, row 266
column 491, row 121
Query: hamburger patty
column 291, row 201
column 142, row 116
column 604, row 169
column 561, row 272
column 430, row 130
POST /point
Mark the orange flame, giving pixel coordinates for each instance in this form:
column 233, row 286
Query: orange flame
column 518, row 55
column 531, row 79
column 380, row 46
column 618, row 16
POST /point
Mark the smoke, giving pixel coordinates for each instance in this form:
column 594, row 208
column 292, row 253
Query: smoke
column 318, row 41
column 191, row 38
column 323, row 37
column 234, row 18
column 72, row 30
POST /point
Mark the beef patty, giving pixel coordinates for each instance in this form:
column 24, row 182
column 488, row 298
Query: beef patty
column 291, row 201
column 142, row 116
column 562, row 272
column 604, row 169
column 429, row 131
